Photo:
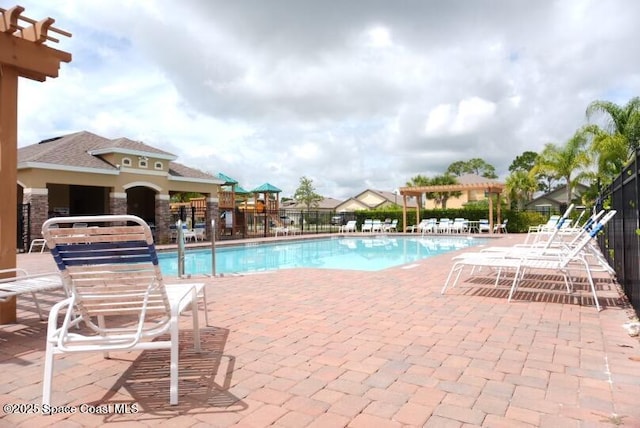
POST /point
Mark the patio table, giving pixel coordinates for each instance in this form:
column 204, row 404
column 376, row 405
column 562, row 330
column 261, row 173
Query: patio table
column 474, row 226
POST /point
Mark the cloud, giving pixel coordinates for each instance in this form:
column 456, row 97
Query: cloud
column 351, row 94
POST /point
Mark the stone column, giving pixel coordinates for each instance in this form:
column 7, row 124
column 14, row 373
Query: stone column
column 163, row 219
column 117, row 203
column 39, row 200
column 213, row 212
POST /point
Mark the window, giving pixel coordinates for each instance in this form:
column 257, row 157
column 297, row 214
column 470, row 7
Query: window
column 126, row 162
column 142, row 163
column 157, row 165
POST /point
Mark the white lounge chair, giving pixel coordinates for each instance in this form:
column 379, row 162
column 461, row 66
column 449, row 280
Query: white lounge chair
column 430, row 225
column 391, row 227
column 350, row 226
column 523, row 262
column 117, row 291
column 554, row 224
column 367, row 226
column 22, row 282
column 416, row 227
column 483, row 225
column 444, row 225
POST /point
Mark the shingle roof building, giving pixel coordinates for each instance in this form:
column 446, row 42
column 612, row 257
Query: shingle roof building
column 84, row 173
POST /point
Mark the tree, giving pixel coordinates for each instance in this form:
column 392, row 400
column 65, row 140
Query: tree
column 520, row 185
column 306, row 194
column 525, row 162
column 623, row 122
column 568, row 161
column 441, row 198
column 458, row 168
column 480, row 167
column 609, row 152
column 184, row 196
column 472, row 166
column 417, row 181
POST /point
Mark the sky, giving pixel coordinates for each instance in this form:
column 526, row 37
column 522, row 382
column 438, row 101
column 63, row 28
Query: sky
column 354, row 95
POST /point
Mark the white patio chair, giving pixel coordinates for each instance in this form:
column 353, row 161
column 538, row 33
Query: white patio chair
column 483, row 225
column 459, row 225
column 429, row 225
column 116, row 291
column 37, row 242
column 367, row 226
column 391, row 227
column 502, row 227
column 376, row 226
column 200, row 232
column 444, row 225
column 416, row 227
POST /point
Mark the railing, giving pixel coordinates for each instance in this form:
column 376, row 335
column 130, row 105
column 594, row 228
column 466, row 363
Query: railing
column 621, row 241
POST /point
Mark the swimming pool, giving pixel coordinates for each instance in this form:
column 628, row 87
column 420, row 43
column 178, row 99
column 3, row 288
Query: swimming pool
column 370, row 253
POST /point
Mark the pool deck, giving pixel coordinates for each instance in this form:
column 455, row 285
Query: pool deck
column 329, row 348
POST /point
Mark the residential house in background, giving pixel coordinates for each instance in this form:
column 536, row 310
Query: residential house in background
column 371, row 199
column 556, row 200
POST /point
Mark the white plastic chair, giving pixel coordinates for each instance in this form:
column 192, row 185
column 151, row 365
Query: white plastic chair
column 117, row 291
column 502, row 227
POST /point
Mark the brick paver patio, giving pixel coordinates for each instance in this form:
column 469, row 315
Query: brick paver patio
column 322, row 348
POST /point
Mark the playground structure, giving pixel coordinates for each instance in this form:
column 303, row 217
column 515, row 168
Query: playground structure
column 244, row 216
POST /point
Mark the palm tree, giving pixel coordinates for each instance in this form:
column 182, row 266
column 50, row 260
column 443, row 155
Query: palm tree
column 623, row 123
column 609, row 151
column 417, row 181
column 520, row 186
column 442, row 197
column 565, row 161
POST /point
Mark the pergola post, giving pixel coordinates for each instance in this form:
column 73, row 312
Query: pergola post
column 490, row 211
column 22, row 54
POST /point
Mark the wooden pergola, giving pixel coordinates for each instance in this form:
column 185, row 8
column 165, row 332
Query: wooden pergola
column 23, row 53
column 490, row 188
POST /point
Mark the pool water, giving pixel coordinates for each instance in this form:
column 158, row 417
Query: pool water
column 371, row 253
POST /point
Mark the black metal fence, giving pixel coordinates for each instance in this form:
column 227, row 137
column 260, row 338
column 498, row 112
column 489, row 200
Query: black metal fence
column 23, row 234
column 621, row 241
column 299, row 222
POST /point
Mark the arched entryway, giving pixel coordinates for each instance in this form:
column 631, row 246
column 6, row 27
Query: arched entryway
column 141, row 202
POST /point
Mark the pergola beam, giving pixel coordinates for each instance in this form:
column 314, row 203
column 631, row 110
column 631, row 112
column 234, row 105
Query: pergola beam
column 417, row 191
column 22, row 54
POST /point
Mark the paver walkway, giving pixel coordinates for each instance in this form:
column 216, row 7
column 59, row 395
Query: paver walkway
column 324, row 348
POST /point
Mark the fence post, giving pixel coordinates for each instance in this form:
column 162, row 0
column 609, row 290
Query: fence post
column 180, row 239
column 213, row 249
